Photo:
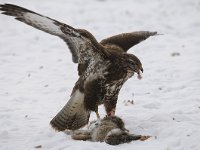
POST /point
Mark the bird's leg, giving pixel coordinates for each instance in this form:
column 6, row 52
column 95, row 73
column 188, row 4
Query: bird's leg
column 110, row 102
column 96, row 110
column 112, row 112
column 97, row 114
column 94, row 124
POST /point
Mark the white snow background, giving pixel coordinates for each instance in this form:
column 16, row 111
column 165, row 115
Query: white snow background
column 37, row 74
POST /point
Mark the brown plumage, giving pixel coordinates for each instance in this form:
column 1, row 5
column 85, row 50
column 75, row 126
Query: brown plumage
column 103, row 67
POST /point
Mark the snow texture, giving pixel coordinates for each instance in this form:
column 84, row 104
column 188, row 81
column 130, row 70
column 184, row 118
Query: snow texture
column 37, row 74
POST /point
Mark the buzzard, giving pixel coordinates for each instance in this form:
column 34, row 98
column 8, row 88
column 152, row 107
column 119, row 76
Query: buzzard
column 103, row 67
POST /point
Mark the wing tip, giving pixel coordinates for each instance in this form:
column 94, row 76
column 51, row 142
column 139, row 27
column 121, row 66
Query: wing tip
column 155, row 33
column 13, row 9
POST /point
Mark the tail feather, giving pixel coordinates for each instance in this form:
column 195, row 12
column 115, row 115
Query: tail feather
column 73, row 115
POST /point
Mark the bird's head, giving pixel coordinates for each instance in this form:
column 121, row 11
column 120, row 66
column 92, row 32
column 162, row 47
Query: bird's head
column 133, row 65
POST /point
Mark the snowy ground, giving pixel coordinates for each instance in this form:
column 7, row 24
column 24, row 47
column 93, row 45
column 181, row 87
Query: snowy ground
column 37, row 74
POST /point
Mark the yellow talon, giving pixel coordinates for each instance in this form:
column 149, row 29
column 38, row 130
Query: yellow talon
column 97, row 114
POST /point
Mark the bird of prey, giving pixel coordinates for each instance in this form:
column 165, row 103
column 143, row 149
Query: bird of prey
column 103, row 67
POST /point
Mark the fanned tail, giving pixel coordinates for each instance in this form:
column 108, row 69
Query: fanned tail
column 73, row 115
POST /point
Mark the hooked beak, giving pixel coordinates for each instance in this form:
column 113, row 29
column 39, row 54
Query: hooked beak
column 139, row 73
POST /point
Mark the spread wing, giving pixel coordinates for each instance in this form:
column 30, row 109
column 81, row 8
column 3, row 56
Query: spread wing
column 126, row 40
column 71, row 36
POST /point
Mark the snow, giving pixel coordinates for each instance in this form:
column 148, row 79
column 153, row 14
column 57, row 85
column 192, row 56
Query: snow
column 37, row 74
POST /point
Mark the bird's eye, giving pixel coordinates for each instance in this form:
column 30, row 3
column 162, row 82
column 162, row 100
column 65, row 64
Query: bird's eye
column 131, row 62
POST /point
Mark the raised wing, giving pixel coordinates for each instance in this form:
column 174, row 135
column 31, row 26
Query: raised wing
column 126, row 40
column 47, row 25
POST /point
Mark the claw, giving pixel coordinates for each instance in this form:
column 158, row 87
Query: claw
column 97, row 114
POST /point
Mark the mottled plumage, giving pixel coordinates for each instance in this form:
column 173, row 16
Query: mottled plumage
column 103, row 67
column 110, row 130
